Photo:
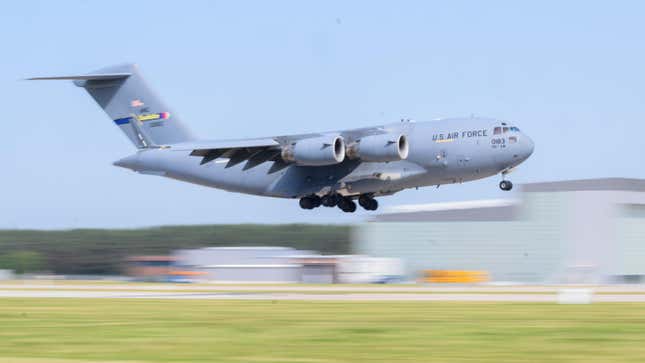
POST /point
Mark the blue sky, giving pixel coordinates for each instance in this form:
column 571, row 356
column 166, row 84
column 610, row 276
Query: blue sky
column 570, row 74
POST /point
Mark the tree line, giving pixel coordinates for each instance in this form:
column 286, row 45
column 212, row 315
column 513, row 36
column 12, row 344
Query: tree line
column 103, row 251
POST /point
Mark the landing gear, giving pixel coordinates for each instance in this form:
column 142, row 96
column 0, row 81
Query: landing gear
column 310, row 202
column 505, row 185
column 367, row 202
column 346, row 205
column 330, row 200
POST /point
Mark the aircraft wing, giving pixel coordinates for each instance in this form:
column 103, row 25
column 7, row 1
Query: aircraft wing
column 253, row 151
column 84, row 77
column 261, row 150
column 348, row 135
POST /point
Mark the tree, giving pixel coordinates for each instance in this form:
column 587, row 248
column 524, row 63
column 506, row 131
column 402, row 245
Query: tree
column 22, row 261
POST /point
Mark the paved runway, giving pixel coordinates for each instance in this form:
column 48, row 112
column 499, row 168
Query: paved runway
column 394, row 288
column 322, row 293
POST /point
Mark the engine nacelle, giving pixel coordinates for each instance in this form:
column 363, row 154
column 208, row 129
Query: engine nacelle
column 325, row 150
column 380, row 148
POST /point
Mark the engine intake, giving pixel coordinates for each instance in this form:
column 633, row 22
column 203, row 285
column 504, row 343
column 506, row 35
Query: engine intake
column 380, row 148
column 318, row 151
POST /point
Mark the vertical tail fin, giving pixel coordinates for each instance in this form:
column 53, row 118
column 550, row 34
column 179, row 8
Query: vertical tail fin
column 124, row 95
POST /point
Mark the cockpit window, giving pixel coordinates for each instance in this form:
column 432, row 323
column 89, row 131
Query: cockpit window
column 512, row 139
column 513, row 128
column 505, row 129
column 497, row 131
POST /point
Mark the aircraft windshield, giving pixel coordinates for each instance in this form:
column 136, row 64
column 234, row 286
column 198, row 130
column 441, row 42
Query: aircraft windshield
column 499, row 130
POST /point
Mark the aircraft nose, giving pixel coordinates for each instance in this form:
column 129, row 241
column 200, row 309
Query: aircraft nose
column 528, row 146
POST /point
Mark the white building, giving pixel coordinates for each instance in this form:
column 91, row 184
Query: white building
column 284, row 265
column 243, row 264
column 568, row 231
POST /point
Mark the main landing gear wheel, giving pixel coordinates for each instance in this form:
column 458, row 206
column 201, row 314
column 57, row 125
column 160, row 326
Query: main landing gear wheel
column 505, row 185
column 330, row 200
column 367, row 202
column 310, row 202
column 347, row 205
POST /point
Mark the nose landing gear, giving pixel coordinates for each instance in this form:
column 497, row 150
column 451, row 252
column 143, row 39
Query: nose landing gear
column 505, row 185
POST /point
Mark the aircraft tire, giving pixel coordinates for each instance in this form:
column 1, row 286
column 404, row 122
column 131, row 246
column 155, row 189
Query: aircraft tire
column 315, row 200
column 505, row 185
column 347, row 205
column 364, row 201
column 330, row 200
column 306, row 203
column 368, row 203
column 373, row 205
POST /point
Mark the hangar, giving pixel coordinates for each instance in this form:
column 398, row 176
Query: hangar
column 575, row 231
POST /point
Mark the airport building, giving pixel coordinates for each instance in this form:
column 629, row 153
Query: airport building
column 243, row 264
column 577, row 231
column 282, row 265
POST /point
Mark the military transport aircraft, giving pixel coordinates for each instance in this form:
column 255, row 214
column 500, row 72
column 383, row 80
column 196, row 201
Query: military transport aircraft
column 332, row 168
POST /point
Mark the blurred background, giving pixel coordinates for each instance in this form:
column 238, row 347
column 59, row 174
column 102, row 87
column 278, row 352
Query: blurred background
column 586, row 231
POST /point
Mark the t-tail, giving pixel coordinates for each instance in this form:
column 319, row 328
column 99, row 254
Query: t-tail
column 124, row 95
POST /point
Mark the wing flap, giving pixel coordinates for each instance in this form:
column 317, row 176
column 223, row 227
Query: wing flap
column 254, row 151
column 261, row 157
column 238, row 156
column 277, row 166
column 209, row 155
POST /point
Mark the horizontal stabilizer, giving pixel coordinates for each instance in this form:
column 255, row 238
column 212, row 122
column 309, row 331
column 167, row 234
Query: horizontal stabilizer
column 84, row 77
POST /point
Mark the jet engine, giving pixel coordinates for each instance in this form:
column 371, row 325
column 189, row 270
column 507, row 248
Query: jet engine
column 379, row 148
column 324, row 150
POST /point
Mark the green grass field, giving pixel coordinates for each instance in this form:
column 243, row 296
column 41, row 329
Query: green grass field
column 98, row 330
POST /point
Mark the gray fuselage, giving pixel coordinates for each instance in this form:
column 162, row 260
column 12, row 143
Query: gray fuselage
column 440, row 152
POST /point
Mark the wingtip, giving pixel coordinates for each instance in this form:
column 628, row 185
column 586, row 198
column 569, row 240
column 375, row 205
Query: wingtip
column 34, row 79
